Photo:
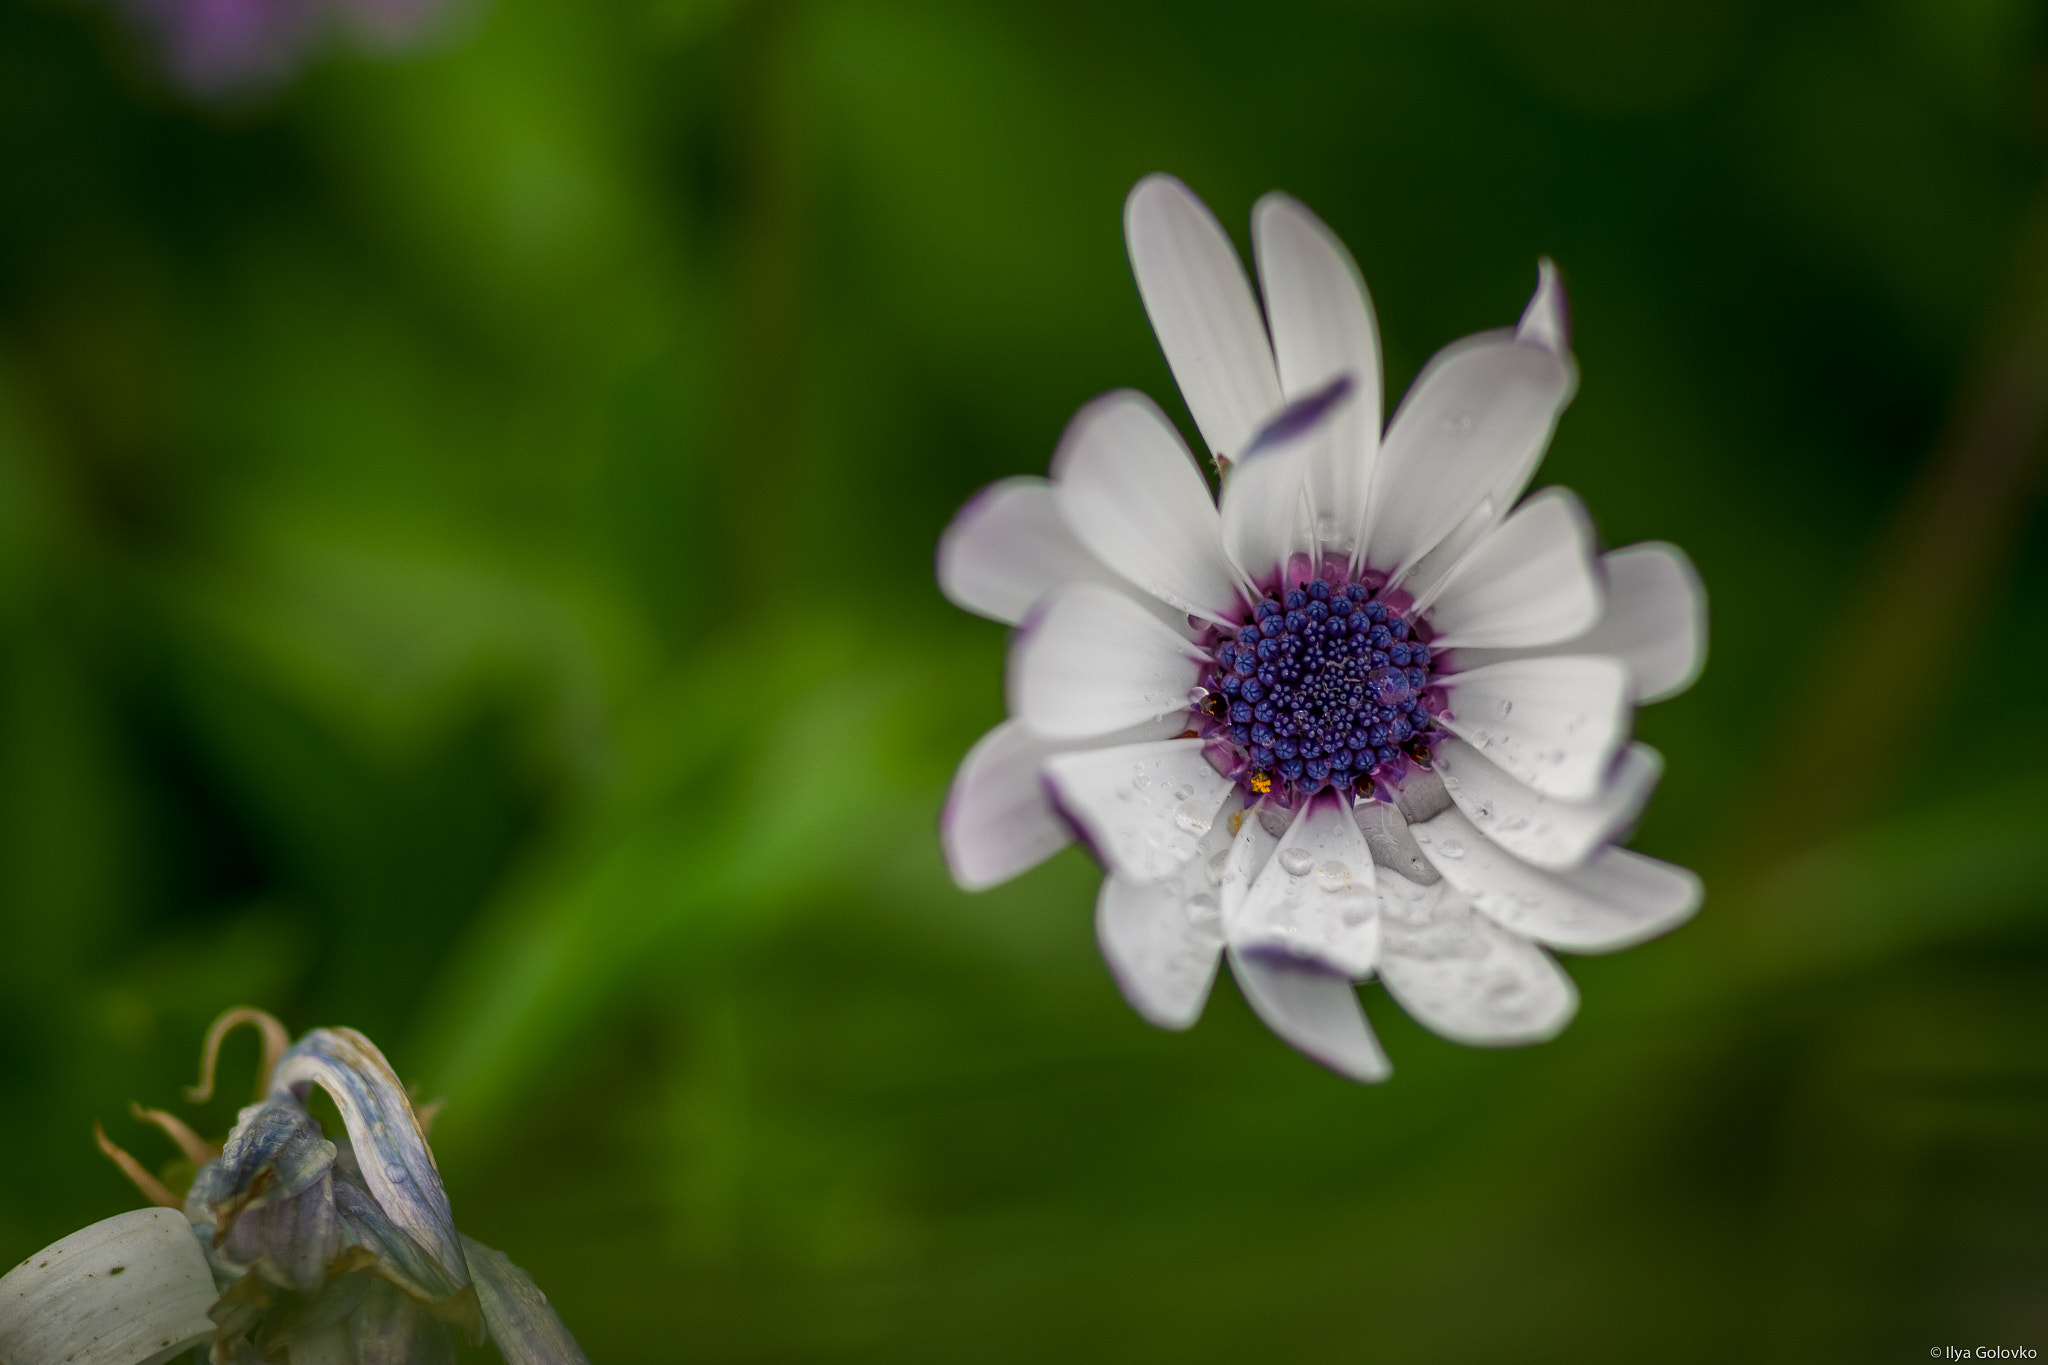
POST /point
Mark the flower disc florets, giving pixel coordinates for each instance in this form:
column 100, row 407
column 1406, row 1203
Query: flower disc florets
column 1328, row 685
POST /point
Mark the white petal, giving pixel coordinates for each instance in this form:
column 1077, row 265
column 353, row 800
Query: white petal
column 1313, row 1010
column 1314, row 898
column 1144, row 807
column 1386, row 834
column 1323, row 326
column 1267, row 513
column 1464, row 441
column 1656, row 619
column 61, row 1304
column 1007, row 548
column 999, row 820
column 1554, row 723
column 1655, row 622
column 1203, row 312
column 1618, row 899
column 1542, row 829
column 1257, row 834
column 1546, row 322
column 1162, row 939
column 1463, row 976
column 1134, row 496
column 1090, row 661
column 1529, row 581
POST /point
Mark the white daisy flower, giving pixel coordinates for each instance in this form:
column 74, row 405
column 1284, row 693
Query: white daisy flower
column 1370, row 716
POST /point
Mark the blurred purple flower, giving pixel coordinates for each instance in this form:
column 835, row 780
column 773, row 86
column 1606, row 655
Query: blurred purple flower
column 223, row 48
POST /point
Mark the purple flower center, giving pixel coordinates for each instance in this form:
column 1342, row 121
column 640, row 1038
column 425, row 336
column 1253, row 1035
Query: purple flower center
column 1326, row 686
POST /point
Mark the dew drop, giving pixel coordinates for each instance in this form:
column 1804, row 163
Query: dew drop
column 1217, row 864
column 1297, row 862
column 1504, row 708
column 1453, row 849
column 1182, row 793
column 1190, row 823
column 395, row 1171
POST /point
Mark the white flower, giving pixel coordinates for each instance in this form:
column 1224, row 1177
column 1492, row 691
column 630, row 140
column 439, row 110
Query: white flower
column 1371, row 715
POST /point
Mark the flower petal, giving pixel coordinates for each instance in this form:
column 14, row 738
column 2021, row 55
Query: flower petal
column 1555, row 723
column 293, row 1241
column 1256, row 836
column 1144, row 807
column 1655, row 621
column 400, row 1258
column 998, row 820
column 1315, row 1011
column 1546, row 322
column 1529, row 581
column 1464, row 977
column 1162, row 939
column 1134, row 496
column 1461, row 448
column 1618, row 899
column 1314, row 898
column 1202, row 311
column 522, row 1323
column 61, row 1304
column 1008, row 547
column 1090, row 661
column 1267, row 514
column 1541, row 829
column 397, row 1167
column 1323, row 328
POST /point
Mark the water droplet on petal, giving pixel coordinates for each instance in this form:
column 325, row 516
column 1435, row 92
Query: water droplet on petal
column 1182, row 793
column 1190, row 823
column 1297, row 862
column 1504, row 708
column 1453, row 849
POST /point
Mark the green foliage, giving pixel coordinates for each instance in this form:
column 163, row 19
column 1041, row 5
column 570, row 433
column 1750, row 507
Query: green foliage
column 465, row 536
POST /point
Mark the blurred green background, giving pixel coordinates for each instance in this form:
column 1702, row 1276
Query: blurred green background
column 465, row 540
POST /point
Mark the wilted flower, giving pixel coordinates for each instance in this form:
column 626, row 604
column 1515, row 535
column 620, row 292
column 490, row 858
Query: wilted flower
column 293, row 1247
column 226, row 47
column 1371, row 715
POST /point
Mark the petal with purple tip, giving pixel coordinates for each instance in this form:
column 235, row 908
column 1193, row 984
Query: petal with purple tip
column 1268, row 512
column 1314, row 897
column 998, row 820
